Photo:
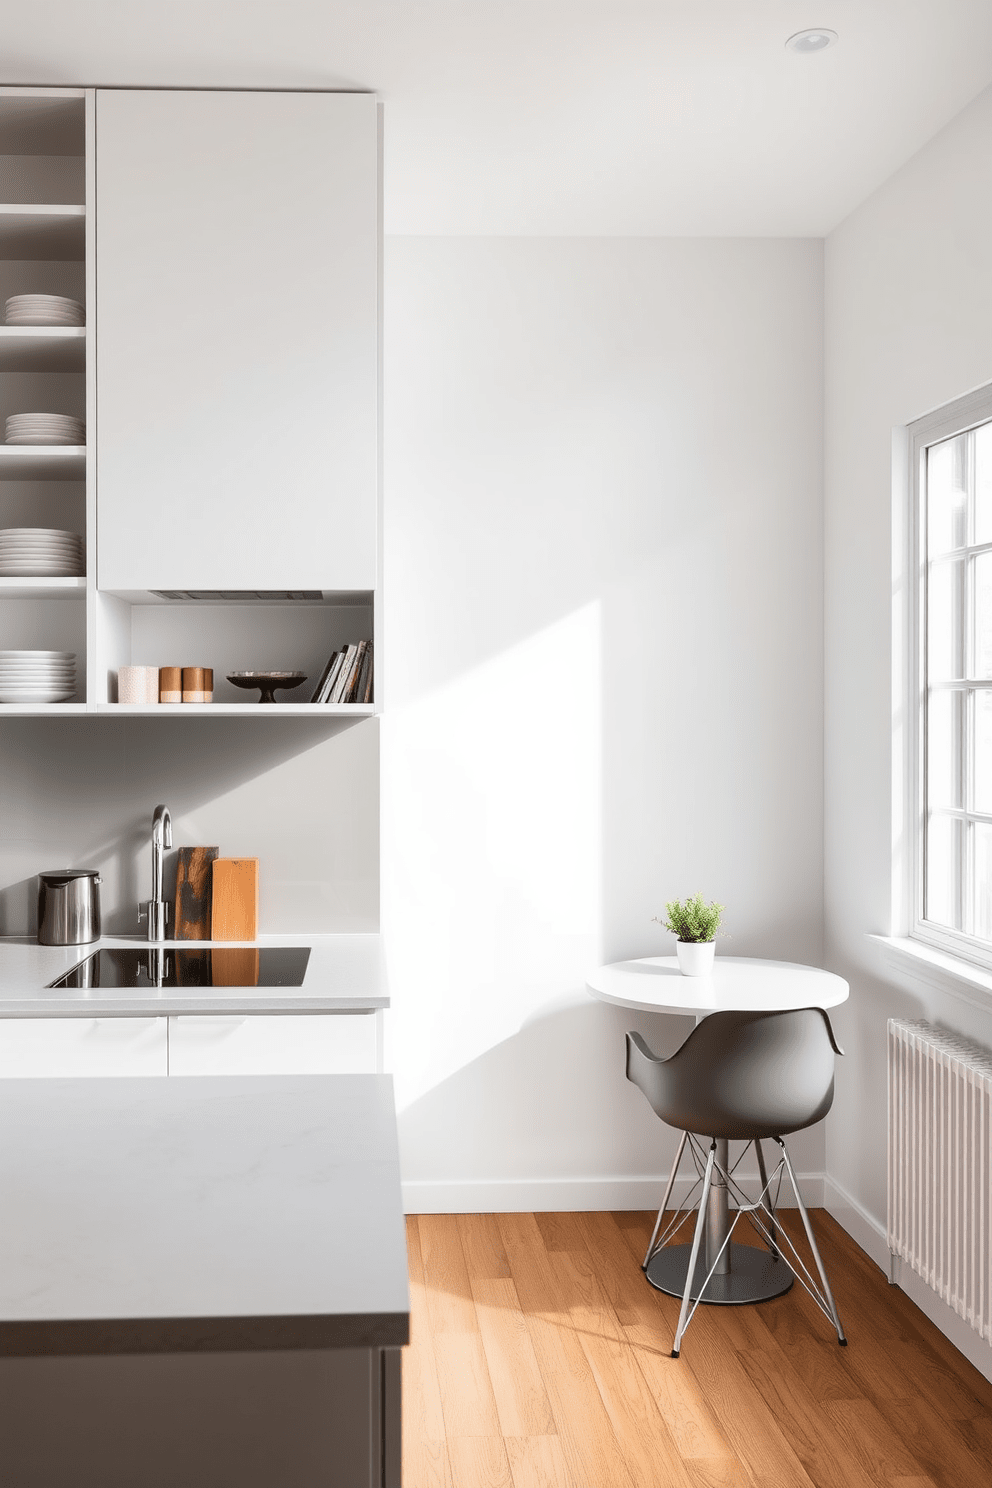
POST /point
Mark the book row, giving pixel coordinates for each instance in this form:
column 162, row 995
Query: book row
column 347, row 677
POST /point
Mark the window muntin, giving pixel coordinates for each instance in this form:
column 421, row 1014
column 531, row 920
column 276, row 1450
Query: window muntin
column 954, row 775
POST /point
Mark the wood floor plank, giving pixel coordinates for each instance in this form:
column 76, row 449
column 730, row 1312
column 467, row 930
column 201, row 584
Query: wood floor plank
column 521, row 1400
column 557, row 1231
column 588, row 1442
column 467, row 1400
column 639, row 1309
column 872, row 1438
column 479, row 1462
column 425, row 1463
column 538, row 1462
column 942, row 1387
column 823, row 1452
column 449, row 1294
column 422, row 1416
column 937, row 1448
column 746, row 1421
column 718, row 1472
column 482, row 1247
column 649, row 1451
column 822, row 1367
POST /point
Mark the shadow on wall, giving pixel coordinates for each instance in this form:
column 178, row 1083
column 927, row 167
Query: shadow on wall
column 550, row 1105
column 300, row 794
column 550, row 1101
column 19, row 906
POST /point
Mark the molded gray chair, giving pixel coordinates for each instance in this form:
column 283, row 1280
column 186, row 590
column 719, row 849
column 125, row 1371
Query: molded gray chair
column 741, row 1076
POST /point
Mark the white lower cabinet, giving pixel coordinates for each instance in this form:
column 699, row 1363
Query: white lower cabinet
column 308, row 1044
column 32, row 1047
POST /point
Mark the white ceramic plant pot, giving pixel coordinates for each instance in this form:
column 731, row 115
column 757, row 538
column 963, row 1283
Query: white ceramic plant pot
column 695, row 957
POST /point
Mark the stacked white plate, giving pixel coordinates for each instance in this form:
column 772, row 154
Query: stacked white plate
column 45, row 428
column 37, row 676
column 44, row 310
column 40, row 552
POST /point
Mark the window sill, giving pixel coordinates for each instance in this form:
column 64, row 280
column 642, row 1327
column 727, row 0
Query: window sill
column 928, row 967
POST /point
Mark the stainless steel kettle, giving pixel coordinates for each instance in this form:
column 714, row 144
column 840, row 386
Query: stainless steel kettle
column 69, row 906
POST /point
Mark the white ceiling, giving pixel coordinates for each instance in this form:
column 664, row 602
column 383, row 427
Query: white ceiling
column 667, row 117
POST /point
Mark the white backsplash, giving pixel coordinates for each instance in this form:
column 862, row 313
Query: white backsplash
column 301, row 796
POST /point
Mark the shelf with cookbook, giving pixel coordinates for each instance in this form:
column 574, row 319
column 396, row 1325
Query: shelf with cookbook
column 290, row 653
column 46, row 391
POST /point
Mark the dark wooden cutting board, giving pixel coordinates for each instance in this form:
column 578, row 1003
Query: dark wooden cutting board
column 193, row 892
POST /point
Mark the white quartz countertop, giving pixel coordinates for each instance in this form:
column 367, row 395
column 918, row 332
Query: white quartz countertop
column 345, row 974
column 148, row 1216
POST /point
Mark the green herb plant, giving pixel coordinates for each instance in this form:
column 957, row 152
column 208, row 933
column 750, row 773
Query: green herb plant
column 691, row 919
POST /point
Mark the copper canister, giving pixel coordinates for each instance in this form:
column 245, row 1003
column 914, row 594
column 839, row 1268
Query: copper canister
column 194, row 688
column 170, row 684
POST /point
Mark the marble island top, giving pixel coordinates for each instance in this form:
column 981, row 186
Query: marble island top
column 345, row 974
column 150, row 1216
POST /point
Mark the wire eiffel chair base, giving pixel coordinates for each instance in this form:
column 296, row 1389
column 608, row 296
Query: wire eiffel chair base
column 752, row 1275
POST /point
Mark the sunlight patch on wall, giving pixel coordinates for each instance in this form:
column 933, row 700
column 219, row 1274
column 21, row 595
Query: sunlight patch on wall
column 491, row 850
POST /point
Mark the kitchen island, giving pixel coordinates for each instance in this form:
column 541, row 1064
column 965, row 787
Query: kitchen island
column 202, row 1282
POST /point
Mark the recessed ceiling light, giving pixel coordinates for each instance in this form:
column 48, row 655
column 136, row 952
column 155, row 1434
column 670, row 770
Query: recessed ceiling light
column 815, row 40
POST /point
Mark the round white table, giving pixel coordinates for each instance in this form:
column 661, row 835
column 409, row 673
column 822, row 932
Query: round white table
column 654, row 984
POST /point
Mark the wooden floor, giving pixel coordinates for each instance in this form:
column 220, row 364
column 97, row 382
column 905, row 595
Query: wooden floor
column 540, row 1358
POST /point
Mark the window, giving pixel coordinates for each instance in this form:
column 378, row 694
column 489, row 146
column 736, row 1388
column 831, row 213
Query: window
column 951, row 454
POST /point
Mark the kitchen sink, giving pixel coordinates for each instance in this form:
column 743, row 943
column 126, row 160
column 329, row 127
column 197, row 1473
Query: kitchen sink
column 197, row 966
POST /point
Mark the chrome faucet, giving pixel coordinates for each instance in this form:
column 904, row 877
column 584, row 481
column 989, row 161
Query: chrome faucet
column 157, row 910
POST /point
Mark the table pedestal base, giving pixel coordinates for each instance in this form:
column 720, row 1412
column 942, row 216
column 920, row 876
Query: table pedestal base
column 754, row 1275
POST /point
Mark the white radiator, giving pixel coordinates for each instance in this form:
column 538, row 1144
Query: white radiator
column 940, row 1165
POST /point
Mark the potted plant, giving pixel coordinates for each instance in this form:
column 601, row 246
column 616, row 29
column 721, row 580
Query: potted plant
column 695, row 924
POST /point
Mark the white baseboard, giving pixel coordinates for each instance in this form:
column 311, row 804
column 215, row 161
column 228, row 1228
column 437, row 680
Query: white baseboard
column 870, row 1235
column 563, row 1195
column 863, row 1228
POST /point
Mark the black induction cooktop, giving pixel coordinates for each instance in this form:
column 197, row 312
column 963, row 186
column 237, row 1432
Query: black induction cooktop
column 197, row 966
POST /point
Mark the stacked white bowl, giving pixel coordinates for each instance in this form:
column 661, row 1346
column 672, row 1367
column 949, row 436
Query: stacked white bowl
column 37, row 676
column 44, row 310
column 45, row 428
column 40, row 552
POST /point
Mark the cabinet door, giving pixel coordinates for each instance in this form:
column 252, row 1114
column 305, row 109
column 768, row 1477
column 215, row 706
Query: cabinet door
column 237, row 340
column 32, row 1047
column 308, row 1044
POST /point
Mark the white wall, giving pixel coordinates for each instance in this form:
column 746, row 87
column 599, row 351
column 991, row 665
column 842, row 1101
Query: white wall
column 908, row 327
column 603, row 561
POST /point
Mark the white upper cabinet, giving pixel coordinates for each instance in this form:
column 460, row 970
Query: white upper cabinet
column 237, row 248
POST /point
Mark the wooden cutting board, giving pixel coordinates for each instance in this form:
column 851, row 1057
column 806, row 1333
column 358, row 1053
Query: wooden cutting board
column 234, row 914
column 193, row 892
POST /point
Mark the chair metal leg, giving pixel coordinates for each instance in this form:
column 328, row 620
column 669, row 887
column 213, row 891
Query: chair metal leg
column 773, row 1247
column 664, row 1202
column 812, row 1244
column 697, row 1240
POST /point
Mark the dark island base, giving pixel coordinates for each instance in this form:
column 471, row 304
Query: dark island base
column 292, row 1418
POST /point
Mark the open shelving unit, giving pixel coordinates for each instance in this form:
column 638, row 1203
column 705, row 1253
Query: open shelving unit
column 42, row 462
column 42, row 588
column 45, row 236
column 48, row 244
column 40, row 231
column 42, row 349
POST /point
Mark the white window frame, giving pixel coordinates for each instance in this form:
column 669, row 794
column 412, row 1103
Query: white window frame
column 968, row 412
